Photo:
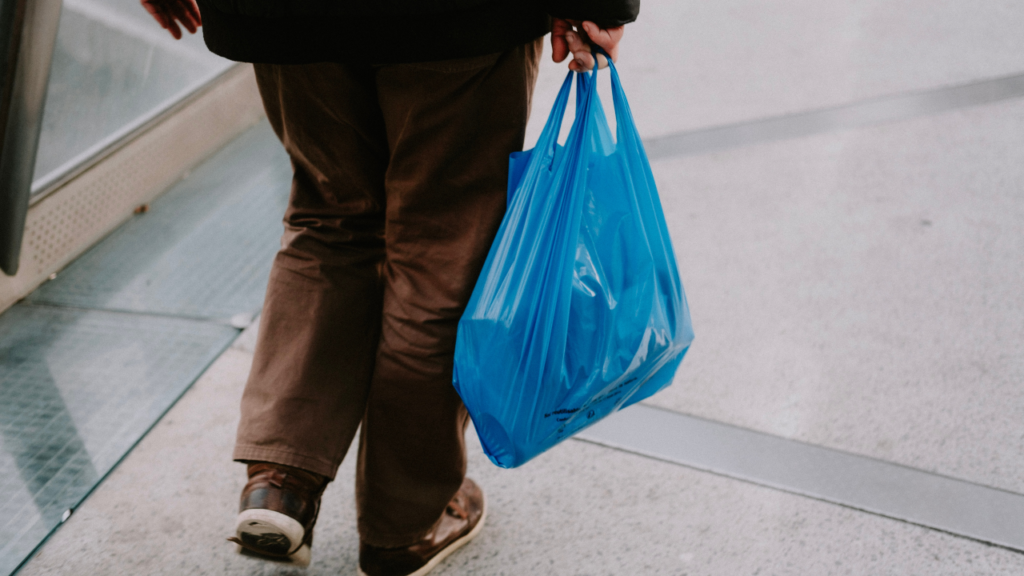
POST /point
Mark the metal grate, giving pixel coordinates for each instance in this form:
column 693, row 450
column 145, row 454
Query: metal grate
column 93, row 358
column 78, row 389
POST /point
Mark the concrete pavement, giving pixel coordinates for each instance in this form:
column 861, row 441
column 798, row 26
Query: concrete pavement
column 858, row 289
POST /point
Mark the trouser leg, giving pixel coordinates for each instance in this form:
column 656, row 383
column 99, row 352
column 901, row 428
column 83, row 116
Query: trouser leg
column 321, row 319
column 450, row 129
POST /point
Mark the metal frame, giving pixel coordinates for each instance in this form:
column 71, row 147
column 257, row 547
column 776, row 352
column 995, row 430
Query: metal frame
column 28, row 32
column 959, row 507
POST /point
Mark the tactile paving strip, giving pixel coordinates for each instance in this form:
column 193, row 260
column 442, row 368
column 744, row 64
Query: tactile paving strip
column 78, row 389
column 202, row 250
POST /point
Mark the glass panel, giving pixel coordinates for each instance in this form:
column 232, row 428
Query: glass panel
column 113, row 68
column 79, row 388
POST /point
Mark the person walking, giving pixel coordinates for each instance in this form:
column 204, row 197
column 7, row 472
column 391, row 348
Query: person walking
column 398, row 117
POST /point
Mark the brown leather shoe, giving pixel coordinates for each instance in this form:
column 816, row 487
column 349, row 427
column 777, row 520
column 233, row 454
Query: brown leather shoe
column 277, row 511
column 459, row 524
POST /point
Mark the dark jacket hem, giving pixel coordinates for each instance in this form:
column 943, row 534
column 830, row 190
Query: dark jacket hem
column 604, row 13
column 306, row 39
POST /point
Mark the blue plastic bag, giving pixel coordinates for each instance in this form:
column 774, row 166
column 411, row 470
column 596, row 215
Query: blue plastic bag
column 579, row 310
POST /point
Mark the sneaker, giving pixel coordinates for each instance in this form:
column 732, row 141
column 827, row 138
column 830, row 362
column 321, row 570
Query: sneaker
column 461, row 522
column 277, row 511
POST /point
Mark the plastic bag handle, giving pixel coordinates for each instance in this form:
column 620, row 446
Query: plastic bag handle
column 597, row 63
column 625, row 127
column 549, row 136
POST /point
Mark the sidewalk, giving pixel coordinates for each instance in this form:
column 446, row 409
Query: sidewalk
column 856, row 288
column 579, row 509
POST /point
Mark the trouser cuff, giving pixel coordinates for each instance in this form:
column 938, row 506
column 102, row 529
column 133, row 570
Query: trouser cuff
column 392, row 540
column 249, row 453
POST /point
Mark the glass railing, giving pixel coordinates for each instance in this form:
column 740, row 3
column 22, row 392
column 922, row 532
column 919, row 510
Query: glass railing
column 114, row 69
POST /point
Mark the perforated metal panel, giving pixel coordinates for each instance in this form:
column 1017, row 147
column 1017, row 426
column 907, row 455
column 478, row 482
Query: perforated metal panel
column 78, row 389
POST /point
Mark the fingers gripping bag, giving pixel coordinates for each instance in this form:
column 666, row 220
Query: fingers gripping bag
column 579, row 310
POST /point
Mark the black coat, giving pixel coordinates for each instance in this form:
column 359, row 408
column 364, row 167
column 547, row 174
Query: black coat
column 388, row 31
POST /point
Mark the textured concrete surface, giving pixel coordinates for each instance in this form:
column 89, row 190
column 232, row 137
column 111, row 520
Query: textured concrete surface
column 862, row 290
column 577, row 510
column 689, row 64
column 859, row 290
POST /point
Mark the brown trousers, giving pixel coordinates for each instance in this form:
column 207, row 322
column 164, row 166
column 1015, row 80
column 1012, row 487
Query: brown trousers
column 399, row 189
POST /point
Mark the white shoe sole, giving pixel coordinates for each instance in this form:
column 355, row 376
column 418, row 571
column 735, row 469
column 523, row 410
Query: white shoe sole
column 298, row 559
column 446, row 552
column 280, row 535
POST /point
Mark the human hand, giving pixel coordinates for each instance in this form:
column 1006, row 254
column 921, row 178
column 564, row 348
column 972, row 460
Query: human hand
column 169, row 12
column 575, row 37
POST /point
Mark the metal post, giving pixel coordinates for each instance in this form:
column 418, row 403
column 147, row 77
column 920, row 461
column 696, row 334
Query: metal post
column 28, row 31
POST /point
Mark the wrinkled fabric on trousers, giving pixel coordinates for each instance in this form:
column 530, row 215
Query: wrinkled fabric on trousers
column 579, row 310
column 399, row 188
